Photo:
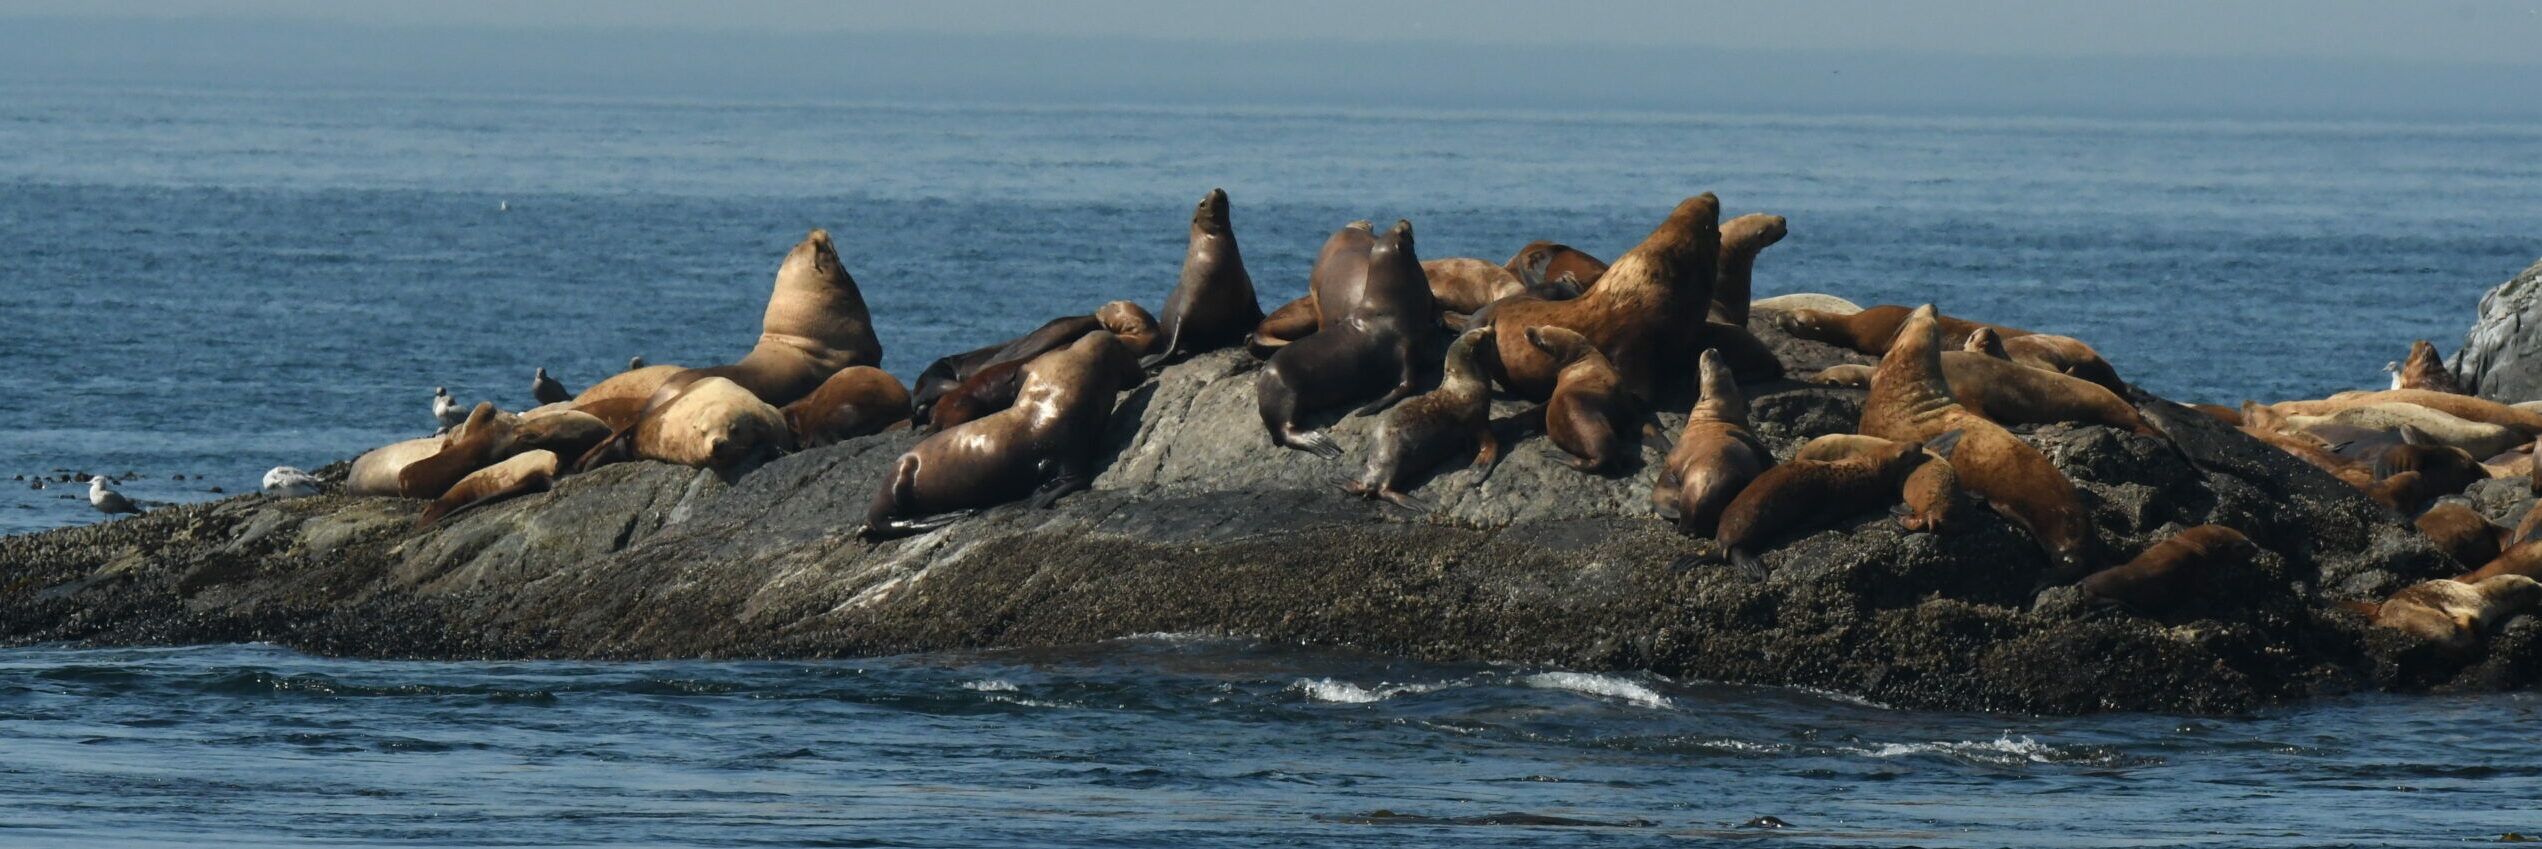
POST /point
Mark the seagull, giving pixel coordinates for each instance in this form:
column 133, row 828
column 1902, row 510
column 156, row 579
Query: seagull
column 289, row 482
column 547, row 390
column 2395, row 369
column 635, row 362
column 446, row 411
column 106, row 500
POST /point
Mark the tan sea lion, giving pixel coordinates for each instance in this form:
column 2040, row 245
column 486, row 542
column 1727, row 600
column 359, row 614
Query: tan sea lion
column 1801, row 492
column 815, row 325
column 1043, row 446
column 2009, row 393
column 1361, row 346
column 2526, row 422
column 635, row 384
column 2063, row 355
column 1807, row 301
column 1293, row 321
column 1561, row 262
column 857, row 401
column 473, row 445
column 1742, row 238
column 2482, row 439
column 2454, row 615
column 1844, row 374
column 1588, row 403
column 2172, row 572
column 1911, row 401
column 1627, row 314
column 1465, row 284
column 2220, row 413
column 2460, row 532
column 521, row 474
column 1870, row 330
column 2424, row 370
column 712, row 423
column 1929, row 495
column 1213, row 305
column 1715, row 456
column 1419, row 432
column 375, row 472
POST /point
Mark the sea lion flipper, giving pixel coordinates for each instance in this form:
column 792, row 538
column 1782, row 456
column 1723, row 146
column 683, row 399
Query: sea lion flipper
column 1050, row 493
column 1317, row 443
column 1487, row 454
column 1407, row 501
column 1942, row 445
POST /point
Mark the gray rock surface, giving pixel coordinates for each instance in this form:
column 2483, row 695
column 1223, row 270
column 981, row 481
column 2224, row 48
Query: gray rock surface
column 2501, row 358
column 1199, row 526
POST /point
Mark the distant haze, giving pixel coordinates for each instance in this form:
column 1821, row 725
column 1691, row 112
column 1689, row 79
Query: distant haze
column 2257, row 58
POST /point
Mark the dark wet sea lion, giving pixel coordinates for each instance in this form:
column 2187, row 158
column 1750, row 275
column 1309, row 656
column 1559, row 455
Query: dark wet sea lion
column 1339, row 277
column 1588, row 410
column 1561, row 261
column 1715, row 456
column 1213, row 305
column 950, row 371
column 1870, row 330
column 1628, row 315
column 1806, row 492
column 565, row 431
column 857, row 401
column 2174, row 572
column 521, row 474
column 1911, row 401
column 815, row 325
column 2460, row 532
column 1130, row 324
column 1429, row 427
column 1361, row 347
column 1043, row 446
column 985, row 391
column 1742, row 238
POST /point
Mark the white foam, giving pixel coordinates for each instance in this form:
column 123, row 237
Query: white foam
column 2001, row 750
column 1593, row 684
column 1344, row 692
column 991, row 685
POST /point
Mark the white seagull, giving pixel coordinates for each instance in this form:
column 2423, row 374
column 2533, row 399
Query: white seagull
column 445, row 411
column 107, row 500
column 289, row 482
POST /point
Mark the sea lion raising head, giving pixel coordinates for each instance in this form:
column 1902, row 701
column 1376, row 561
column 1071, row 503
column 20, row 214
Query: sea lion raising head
column 1213, row 305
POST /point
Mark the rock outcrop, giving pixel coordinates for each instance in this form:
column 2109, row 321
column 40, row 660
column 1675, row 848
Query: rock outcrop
column 2501, row 358
column 1198, row 525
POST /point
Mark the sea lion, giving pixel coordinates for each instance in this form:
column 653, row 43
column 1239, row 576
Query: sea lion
column 2219, row 412
column 1465, row 284
column 635, row 384
column 2173, row 572
column 1587, row 403
column 471, row 446
column 1627, row 314
column 986, row 391
column 523, row 473
column 2460, row 532
column 947, row 373
column 2009, row 393
column 567, row 432
column 2526, row 422
column 815, row 325
column 1715, row 457
column 1360, row 346
column 1419, row 432
column 2445, row 470
column 1807, row 301
column 2523, row 558
column 1213, row 305
column 1911, row 401
column 2454, row 615
column 2424, row 370
column 548, row 390
column 1339, row 278
column 2482, row 439
column 1043, row 446
column 375, row 472
column 1532, row 263
column 1742, row 238
column 1870, row 330
column 857, row 401
column 1809, row 491
column 2062, row 355
column 712, row 423
column 1291, row 322
column 1929, row 500
column 1561, row 261
column 1131, row 325
column 1984, row 341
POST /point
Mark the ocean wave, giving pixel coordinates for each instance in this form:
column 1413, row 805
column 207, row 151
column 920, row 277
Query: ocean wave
column 1592, row 684
column 2001, row 751
column 1344, row 692
column 989, row 685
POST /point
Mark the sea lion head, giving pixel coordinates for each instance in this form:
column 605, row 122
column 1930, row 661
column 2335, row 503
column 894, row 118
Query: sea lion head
column 1464, row 364
column 1984, row 341
column 1396, row 240
column 815, row 254
column 1131, row 323
column 1211, row 215
column 1818, row 325
column 1721, row 396
column 1563, row 344
column 1753, row 232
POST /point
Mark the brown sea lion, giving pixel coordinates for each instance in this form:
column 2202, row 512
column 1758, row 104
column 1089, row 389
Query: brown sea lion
column 2172, row 572
column 1742, row 238
column 857, row 401
column 1360, row 347
column 1627, row 314
column 1715, row 457
column 1531, row 264
column 2454, row 615
column 2424, row 370
column 2523, row 558
column 567, row 432
column 1870, row 330
column 1465, row 284
column 473, row 445
column 1293, row 321
column 1804, row 492
column 1561, row 261
column 2460, row 532
column 375, row 472
column 1911, row 401
column 1419, row 432
column 2220, row 413
column 1588, row 401
column 815, row 325
column 1930, row 495
column 1339, row 277
column 2527, row 422
column 712, row 423
column 1131, row 324
column 2011, row 394
column 1043, row 446
column 521, row 474
column 2445, row 470
column 2063, row 355
column 1213, row 305
column 986, row 391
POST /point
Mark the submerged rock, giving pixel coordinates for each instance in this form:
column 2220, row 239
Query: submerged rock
column 1199, row 525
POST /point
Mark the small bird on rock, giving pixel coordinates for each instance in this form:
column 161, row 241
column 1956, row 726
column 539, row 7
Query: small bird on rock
column 106, row 500
column 547, row 390
column 445, row 411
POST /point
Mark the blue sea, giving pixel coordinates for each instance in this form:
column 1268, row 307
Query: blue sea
column 198, row 285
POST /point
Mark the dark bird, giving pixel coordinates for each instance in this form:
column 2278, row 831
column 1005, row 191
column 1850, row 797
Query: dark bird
column 547, row 390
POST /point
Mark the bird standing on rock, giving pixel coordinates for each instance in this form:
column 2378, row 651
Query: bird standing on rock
column 446, row 412
column 107, row 500
column 547, row 390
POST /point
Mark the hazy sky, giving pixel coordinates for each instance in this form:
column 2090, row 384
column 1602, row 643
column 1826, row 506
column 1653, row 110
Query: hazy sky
column 2476, row 31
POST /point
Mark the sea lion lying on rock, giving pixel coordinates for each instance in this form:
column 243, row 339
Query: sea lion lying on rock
column 1420, row 432
column 1043, row 446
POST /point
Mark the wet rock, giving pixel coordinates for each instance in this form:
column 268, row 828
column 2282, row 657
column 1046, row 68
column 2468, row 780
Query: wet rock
column 2501, row 358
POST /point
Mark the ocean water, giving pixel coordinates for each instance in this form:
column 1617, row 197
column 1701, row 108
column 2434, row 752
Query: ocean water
column 208, row 283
